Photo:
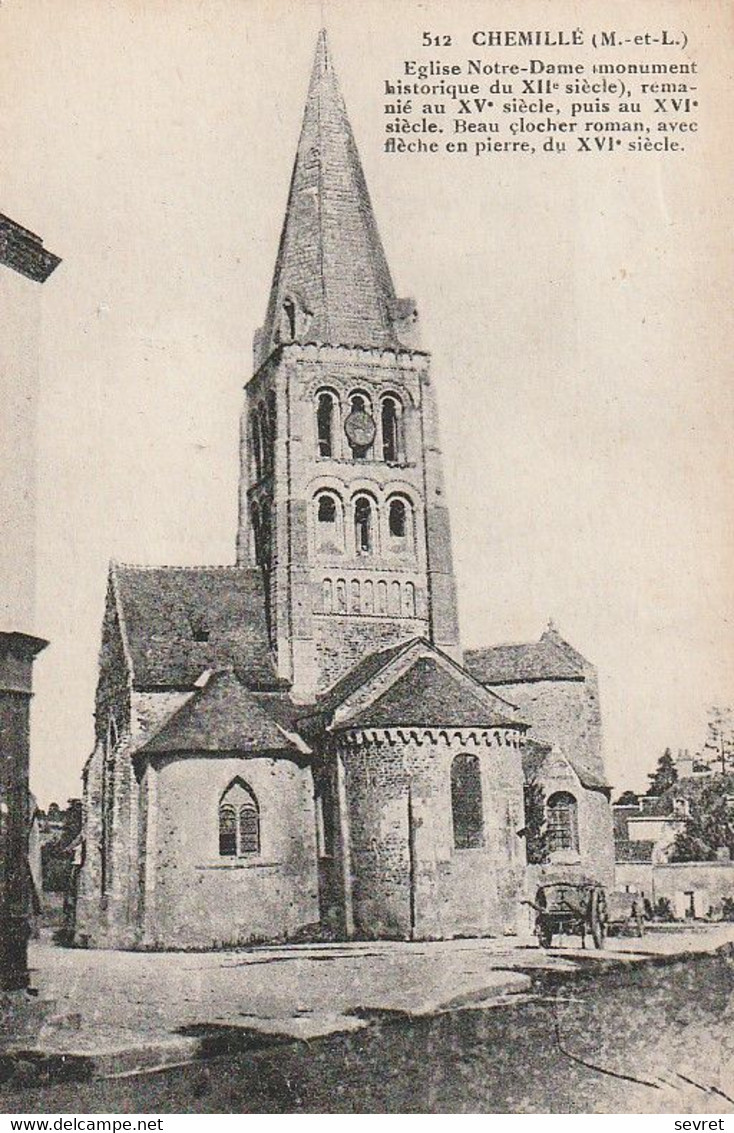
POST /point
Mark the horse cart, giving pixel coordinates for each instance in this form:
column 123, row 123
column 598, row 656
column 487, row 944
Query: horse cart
column 570, row 907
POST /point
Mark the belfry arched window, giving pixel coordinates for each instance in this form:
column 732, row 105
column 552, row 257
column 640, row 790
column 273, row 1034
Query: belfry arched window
column 360, row 426
column 363, row 525
column 329, row 522
column 400, row 525
column 239, row 822
column 466, row 802
column 327, row 423
column 563, row 822
column 391, row 423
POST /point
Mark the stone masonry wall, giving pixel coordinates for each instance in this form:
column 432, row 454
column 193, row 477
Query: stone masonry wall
column 193, row 898
column 408, row 879
column 564, row 713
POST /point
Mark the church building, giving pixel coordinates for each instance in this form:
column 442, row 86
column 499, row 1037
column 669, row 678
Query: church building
column 295, row 747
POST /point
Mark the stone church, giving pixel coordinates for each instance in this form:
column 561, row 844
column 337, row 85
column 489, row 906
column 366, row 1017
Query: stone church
column 295, row 747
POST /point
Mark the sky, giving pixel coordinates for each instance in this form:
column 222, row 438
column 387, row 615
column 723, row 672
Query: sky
column 577, row 313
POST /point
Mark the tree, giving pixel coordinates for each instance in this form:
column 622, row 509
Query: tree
column 628, row 798
column 710, row 823
column 664, row 775
column 720, row 738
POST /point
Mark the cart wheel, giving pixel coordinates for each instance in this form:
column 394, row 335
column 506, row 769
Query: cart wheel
column 598, row 918
column 545, row 936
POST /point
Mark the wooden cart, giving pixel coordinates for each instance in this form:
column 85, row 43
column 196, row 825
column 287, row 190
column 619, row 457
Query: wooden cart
column 570, row 907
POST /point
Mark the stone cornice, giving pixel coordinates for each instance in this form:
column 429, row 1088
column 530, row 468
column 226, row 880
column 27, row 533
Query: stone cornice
column 24, row 252
column 484, row 737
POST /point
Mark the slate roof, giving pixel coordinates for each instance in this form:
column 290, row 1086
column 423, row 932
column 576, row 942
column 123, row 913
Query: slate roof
column 514, row 664
column 427, row 695
column 165, row 609
column 362, row 672
column 592, row 780
column 535, row 753
column 223, row 716
column 330, row 256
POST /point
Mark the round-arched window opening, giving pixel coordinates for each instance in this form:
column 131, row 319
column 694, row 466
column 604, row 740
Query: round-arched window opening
column 363, row 525
column 391, row 429
column 398, row 519
column 327, row 509
column 325, row 423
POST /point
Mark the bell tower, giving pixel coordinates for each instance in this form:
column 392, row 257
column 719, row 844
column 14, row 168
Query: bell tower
column 342, row 502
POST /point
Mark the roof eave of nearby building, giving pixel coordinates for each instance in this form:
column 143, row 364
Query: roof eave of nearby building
column 23, row 251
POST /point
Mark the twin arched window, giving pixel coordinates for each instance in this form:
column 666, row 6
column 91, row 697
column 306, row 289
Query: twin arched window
column 239, row 822
column 466, row 802
column 563, row 823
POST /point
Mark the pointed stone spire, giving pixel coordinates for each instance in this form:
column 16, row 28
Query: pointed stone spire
column 331, row 283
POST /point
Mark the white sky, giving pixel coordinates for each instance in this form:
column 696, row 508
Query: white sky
column 577, row 312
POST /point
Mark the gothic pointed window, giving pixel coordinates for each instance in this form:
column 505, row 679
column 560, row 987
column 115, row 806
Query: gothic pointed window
column 466, row 802
column 391, row 422
column 363, row 525
column 326, row 423
column 563, row 823
column 239, row 822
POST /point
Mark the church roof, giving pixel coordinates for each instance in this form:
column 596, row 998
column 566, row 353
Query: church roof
column 550, row 659
column 178, row 622
column 330, row 259
column 360, row 674
column 428, row 695
column 222, row 716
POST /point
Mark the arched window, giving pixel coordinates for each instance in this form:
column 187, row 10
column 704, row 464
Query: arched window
column 368, row 597
column 289, row 320
column 391, row 429
column 341, row 596
column 329, row 523
column 363, row 525
column 272, row 426
column 381, row 597
column 398, row 519
column 563, row 823
column 326, row 423
column 361, row 426
column 409, row 600
column 266, row 438
column 257, row 448
column 356, row 597
column 466, row 802
column 327, row 596
column 239, row 822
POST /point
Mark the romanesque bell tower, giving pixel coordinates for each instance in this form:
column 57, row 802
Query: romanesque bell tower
column 342, row 503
